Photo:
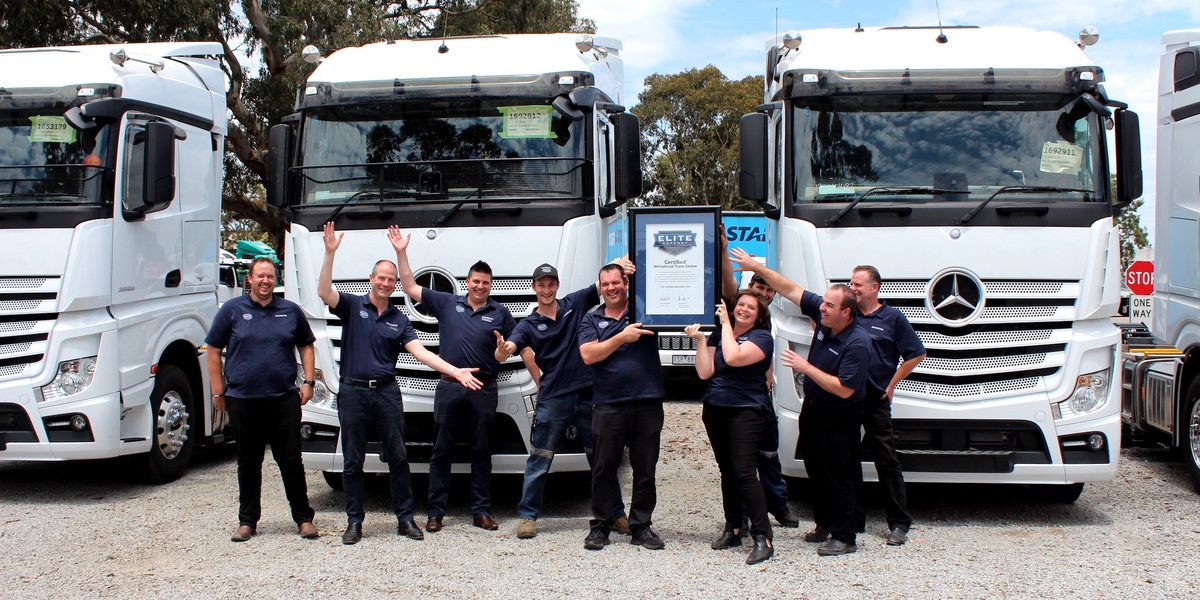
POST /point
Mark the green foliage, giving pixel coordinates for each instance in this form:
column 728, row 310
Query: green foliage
column 1129, row 226
column 263, row 40
column 690, row 128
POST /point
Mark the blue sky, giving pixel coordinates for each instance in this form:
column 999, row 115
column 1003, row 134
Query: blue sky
column 669, row 36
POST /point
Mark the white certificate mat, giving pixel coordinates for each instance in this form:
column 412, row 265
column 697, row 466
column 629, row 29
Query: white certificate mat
column 675, row 268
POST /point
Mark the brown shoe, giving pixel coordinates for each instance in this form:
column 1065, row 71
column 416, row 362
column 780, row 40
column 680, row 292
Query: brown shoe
column 243, row 533
column 433, row 524
column 486, row 522
column 621, row 525
column 309, row 531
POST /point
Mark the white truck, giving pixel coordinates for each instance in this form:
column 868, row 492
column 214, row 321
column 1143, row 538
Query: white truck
column 513, row 149
column 1161, row 387
column 970, row 165
column 108, row 272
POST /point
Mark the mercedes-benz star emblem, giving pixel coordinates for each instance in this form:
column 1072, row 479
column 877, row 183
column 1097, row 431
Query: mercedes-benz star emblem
column 955, row 297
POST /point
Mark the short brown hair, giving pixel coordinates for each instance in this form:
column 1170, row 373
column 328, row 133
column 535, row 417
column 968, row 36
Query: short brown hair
column 872, row 273
column 848, row 299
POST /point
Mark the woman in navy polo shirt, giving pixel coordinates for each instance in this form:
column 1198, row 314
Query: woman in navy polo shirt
column 736, row 413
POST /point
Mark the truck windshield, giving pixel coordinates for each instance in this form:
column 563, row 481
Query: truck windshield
column 940, row 147
column 442, row 151
column 45, row 161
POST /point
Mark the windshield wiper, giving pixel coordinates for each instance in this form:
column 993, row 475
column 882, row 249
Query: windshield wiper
column 1017, row 189
column 381, row 195
column 899, row 190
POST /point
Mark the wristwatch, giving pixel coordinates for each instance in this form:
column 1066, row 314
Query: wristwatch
column 308, row 382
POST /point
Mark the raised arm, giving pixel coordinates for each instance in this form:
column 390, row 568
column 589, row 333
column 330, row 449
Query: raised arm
column 729, row 285
column 404, row 270
column 735, row 354
column 783, row 286
column 325, row 281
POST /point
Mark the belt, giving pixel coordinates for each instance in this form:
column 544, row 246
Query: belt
column 367, row 383
column 484, row 379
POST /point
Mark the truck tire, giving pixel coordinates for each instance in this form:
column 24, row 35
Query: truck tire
column 333, row 479
column 1191, row 431
column 171, row 418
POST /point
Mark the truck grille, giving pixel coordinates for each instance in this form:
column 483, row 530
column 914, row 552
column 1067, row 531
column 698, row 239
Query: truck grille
column 27, row 315
column 1017, row 340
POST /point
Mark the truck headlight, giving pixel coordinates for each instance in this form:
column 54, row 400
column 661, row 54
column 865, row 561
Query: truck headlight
column 322, row 397
column 73, row 377
column 1090, row 394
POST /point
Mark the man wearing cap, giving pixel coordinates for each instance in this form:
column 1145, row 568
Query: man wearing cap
column 564, row 385
column 373, row 333
column 467, row 326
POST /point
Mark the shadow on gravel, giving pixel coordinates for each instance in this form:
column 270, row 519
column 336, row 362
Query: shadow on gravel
column 83, row 481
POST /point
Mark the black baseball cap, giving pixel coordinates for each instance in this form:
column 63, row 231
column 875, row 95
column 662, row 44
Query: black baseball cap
column 545, row 270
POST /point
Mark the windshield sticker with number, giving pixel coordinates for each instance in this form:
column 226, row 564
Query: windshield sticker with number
column 526, row 122
column 1061, row 157
column 48, row 128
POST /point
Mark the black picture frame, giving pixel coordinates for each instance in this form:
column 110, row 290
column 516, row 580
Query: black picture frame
column 676, row 250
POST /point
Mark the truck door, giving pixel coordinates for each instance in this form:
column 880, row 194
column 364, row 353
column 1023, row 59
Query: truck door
column 147, row 242
column 613, row 227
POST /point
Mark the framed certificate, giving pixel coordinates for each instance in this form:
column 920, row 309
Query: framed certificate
column 678, row 275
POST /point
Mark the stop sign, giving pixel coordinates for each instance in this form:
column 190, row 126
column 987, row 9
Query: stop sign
column 1140, row 278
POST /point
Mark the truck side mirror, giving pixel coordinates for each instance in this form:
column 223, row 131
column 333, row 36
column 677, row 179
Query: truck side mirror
column 279, row 162
column 158, row 177
column 628, row 154
column 1129, row 158
column 752, row 157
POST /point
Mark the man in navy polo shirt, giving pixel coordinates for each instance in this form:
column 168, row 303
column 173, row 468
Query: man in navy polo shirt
column 373, row 333
column 628, row 393
column 895, row 341
column 467, row 327
column 564, row 384
column 257, row 385
column 835, row 378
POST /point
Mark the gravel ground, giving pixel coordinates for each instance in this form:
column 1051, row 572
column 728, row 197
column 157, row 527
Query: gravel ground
column 86, row 530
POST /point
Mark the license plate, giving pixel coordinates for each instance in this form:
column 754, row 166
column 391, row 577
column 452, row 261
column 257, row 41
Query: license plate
column 686, row 359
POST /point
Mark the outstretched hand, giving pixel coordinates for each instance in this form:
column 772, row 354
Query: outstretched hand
column 744, row 261
column 399, row 240
column 332, row 238
column 633, row 332
column 466, row 377
column 502, row 346
column 794, row 361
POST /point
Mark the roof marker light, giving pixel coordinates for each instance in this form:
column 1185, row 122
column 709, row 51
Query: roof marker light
column 791, row 40
column 1088, row 36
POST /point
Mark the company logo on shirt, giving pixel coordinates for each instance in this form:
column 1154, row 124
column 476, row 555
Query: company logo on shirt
column 835, row 352
column 602, row 324
column 486, row 319
column 247, row 317
column 675, row 242
column 459, row 308
column 541, row 327
column 820, row 335
column 363, row 313
column 392, row 325
column 283, row 316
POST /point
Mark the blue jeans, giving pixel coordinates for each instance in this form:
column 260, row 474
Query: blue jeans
column 360, row 409
column 462, row 414
column 551, row 419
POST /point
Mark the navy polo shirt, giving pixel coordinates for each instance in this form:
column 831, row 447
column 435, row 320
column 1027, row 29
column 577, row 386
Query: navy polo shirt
column 553, row 341
column 846, row 355
column 260, row 345
column 632, row 372
column 466, row 335
column 371, row 341
column 894, row 339
column 741, row 386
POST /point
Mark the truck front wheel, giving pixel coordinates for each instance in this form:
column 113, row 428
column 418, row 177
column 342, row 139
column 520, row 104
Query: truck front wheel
column 1191, row 431
column 172, row 411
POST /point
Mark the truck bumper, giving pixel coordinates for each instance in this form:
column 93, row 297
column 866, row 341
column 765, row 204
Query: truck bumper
column 33, row 431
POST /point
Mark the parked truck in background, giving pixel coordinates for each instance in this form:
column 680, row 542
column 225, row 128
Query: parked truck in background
column 1161, row 387
column 971, row 166
column 513, row 149
column 101, row 328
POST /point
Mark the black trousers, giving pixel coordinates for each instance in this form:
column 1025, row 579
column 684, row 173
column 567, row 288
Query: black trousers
column 879, row 438
column 467, row 415
column 829, row 443
column 736, row 435
column 258, row 422
column 637, row 424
